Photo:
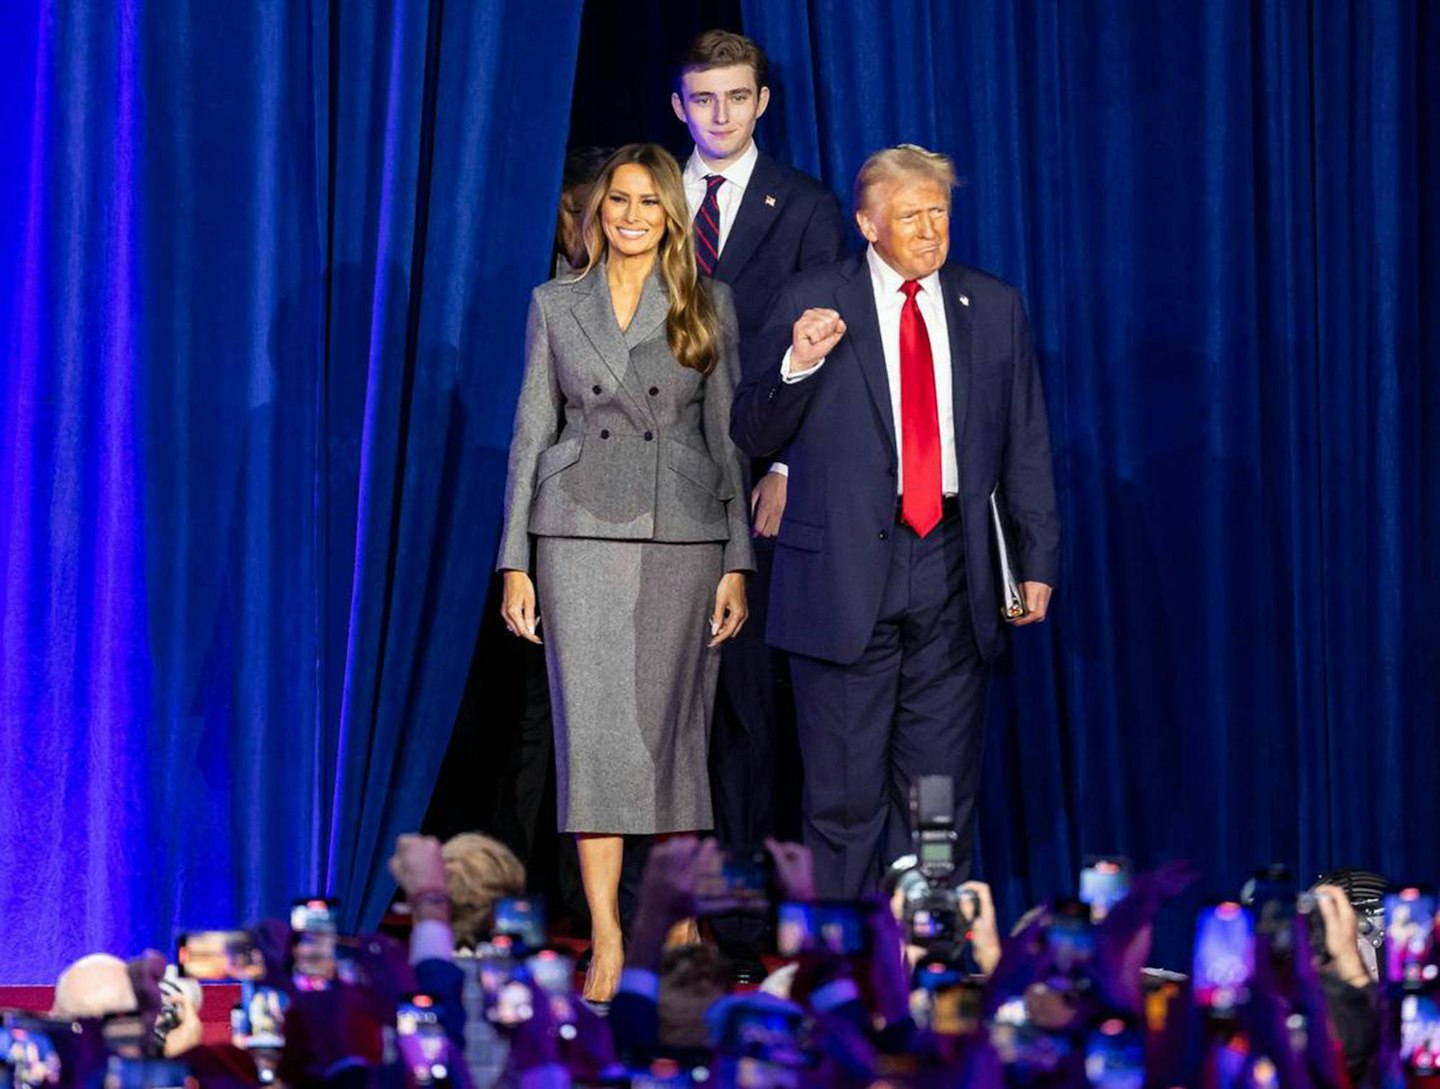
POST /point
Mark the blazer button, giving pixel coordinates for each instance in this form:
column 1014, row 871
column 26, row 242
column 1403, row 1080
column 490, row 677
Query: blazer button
column 649, row 436
column 884, row 536
column 596, row 390
column 654, row 391
column 604, row 434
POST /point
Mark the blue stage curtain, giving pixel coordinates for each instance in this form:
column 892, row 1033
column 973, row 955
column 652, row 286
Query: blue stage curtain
column 1222, row 217
column 264, row 335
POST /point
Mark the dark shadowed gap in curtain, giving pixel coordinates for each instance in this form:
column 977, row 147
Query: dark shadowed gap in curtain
column 450, row 274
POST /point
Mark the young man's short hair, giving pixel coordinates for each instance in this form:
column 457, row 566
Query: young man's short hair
column 721, row 49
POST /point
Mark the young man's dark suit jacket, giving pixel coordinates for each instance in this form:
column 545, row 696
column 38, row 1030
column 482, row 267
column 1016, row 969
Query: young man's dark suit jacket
column 833, row 550
column 787, row 222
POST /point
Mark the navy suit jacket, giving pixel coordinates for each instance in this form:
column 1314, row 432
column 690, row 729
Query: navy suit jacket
column 787, row 222
column 833, row 550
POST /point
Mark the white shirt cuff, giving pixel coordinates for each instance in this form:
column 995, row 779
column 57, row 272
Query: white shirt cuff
column 431, row 939
column 641, row 981
column 791, row 379
column 780, row 467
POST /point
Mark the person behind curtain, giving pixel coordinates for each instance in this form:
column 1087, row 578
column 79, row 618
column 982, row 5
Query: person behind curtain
column 582, row 167
column 757, row 222
column 622, row 469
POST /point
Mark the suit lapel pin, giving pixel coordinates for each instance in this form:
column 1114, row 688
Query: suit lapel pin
column 964, row 300
column 769, row 201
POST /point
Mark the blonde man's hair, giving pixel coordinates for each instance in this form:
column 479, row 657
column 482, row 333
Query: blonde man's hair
column 478, row 871
column 891, row 164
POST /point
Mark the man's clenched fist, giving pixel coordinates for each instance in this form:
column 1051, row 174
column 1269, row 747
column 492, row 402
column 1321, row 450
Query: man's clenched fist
column 816, row 333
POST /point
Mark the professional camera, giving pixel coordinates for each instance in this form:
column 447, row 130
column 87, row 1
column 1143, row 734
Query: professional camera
column 937, row 915
column 932, row 824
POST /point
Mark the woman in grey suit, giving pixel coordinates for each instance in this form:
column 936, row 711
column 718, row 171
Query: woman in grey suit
column 623, row 472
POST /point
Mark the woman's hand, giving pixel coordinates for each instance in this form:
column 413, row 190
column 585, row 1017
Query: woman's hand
column 518, row 607
column 730, row 610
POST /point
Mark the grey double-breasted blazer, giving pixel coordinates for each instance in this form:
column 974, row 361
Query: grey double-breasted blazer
column 613, row 437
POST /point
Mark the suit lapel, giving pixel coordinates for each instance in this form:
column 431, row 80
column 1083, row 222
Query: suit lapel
column 648, row 322
column 961, row 330
column 595, row 315
column 653, row 309
column 855, row 299
column 760, row 208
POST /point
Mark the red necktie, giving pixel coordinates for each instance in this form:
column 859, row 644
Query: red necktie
column 707, row 226
column 919, row 419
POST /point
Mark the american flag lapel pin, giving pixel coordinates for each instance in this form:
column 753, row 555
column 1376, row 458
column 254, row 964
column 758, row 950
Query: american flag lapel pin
column 769, row 201
column 964, row 300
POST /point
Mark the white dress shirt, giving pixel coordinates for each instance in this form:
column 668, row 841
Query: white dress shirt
column 737, row 177
column 889, row 300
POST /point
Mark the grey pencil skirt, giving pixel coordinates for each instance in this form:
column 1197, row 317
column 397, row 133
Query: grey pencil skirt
column 632, row 682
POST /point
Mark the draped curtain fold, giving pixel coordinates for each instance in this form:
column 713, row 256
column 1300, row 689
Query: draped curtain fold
column 264, row 333
column 1218, row 215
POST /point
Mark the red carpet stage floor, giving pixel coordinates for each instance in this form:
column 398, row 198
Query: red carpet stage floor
column 214, row 1012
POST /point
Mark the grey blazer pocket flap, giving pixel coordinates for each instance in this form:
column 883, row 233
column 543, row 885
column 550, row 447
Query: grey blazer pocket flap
column 697, row 467
column 807, row 538
column 560, row 456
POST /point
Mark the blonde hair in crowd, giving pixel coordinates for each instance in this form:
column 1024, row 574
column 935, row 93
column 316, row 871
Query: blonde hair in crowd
column 690, row 327
column 891, row 164
column 478, row 871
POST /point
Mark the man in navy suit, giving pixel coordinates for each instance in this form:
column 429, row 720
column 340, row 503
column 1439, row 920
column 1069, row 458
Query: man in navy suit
column 757, row 223
column 903, row 391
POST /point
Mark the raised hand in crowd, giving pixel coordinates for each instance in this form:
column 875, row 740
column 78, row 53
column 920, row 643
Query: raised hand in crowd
column 177, row 1016
column 1342, row 936
column 1123, row 939
column 984, row 933
column 794, row 869
column 667, row 895
column 889, row 973
column 419, row 869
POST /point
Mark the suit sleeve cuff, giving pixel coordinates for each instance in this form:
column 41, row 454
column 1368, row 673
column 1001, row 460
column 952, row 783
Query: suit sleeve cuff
column 789, row 378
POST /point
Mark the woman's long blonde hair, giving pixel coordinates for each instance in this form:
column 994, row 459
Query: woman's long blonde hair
column 690, row 328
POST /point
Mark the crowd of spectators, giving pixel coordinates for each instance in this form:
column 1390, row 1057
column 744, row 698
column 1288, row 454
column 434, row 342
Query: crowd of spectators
column 918, row 986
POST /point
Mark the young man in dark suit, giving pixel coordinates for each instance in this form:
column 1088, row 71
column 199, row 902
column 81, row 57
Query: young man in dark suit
column 757, row 223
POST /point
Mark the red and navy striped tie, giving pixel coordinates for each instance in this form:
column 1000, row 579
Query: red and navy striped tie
column 707, row 226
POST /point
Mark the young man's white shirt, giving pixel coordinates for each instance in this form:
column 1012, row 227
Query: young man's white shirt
column 729, row 196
